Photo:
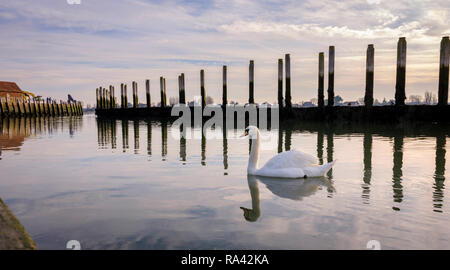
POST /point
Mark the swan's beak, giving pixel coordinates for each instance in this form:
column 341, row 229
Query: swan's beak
column 245, row 134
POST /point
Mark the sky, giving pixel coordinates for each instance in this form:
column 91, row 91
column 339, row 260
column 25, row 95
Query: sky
column 53, row 48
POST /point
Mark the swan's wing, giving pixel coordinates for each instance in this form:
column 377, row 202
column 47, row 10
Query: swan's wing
column 291, row 159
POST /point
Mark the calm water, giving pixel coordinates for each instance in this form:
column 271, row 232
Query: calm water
column 132, row 185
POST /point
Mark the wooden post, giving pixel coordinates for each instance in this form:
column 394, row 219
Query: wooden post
column 106, row 99
column 331, row 76
column 321, row 96
column 125, row 94
column 50, row 108
column 147, row 93
column 111, row 97
column 251, row 75
column 3, row 107
column 224, row 87
column 202, row 88
column 36, row 108
column 135, row 95
column 443, row 72
column 179, row 89
column 55, row 108
column 183, row 90
column 161, row 83
column 368, row 98
column 280, row 83
column 32, row 108
column 45, row 107
column 400, row 94
column 21, row 106
column 98, row 101
column 288, row 81
column 100, row 91
column 165, row 93
column 27, row 107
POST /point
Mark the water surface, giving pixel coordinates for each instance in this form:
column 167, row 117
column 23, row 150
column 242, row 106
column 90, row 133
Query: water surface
column 118, row 184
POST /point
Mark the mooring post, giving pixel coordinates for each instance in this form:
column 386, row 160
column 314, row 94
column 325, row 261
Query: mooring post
column 368, row 98
column 224, row 87
column 183, row 90
column 114, row 97
column 280, row 83
column 103, row 93
column 147, row 93
column 106, row 99
column 100, row 97
column 165, row 92
column 288, row 81
column 251, row 75
column 179, row 89
column 400, row 94
column 125, row 95
column 161, row 83
column 135, row 95
column 111, row 96
column 443, row 72
column 202, row 88
column 331, row 76
column 121, row 95
column 321, row 96
column 97, row 96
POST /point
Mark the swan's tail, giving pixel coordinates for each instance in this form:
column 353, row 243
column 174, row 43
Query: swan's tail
column 318, row 171
column 327, row 167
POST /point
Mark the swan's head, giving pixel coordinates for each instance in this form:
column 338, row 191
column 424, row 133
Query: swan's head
column 250, row 215
column 251, row 131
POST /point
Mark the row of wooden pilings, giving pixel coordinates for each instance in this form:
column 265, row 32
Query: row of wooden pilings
column 14, row 107
column 107, row 100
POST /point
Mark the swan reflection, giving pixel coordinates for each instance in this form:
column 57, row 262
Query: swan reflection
column 293, row 189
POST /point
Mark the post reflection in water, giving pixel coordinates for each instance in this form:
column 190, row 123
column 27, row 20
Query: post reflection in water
column 288, row 139
column 293, row 189
column 320, row 146
column 367, row 145
column 164, row 140
column 397, row 171
column 330, row 149
column 183, row 149
column 149, row 138
column 136, row 136
column 439, row 178
column 280, row 140
column 15, row 131
column 203, row 162
column 125, row 145
column 225, row 150
column 107, row 136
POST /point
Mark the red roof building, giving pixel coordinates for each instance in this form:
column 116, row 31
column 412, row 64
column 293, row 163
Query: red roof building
column 11, row 89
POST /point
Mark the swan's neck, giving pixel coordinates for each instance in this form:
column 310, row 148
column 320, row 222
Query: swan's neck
column 254, row 154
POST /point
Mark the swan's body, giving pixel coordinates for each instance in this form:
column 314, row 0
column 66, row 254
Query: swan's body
column 289, row 164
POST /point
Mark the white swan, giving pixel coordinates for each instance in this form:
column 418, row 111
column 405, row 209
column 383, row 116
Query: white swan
column 288, row 164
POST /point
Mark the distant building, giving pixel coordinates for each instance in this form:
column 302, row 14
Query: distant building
column 308, row 104
column 11, row 90
column 351, row 103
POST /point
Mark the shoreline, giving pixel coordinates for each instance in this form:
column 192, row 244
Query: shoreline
column 13, row 235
